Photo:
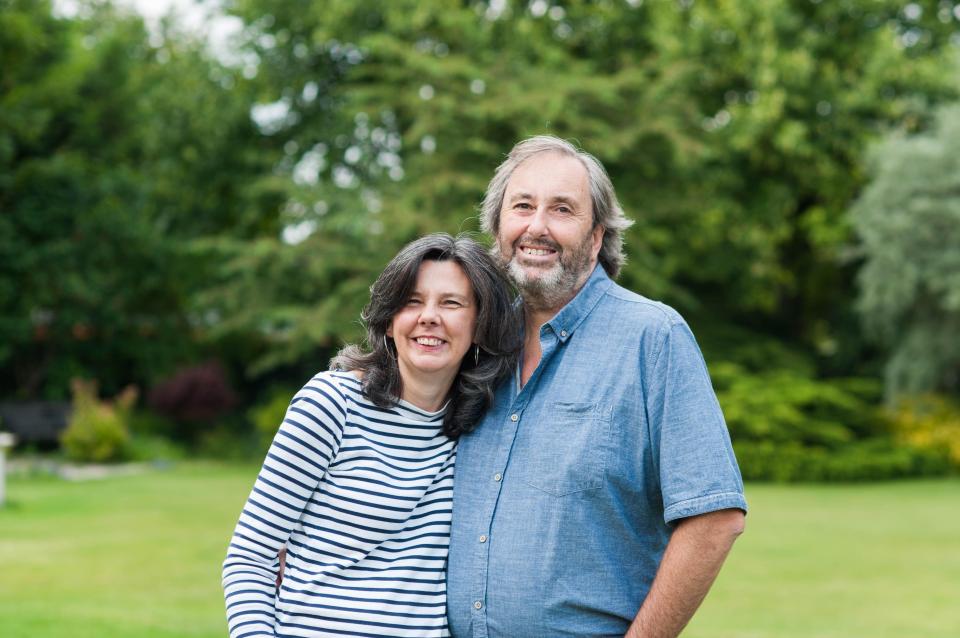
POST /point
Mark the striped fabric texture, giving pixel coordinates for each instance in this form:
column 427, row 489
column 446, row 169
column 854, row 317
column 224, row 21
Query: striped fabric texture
column 361, row 496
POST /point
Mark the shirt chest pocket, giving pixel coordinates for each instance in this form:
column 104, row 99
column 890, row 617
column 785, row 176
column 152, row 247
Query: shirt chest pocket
column 565, row 449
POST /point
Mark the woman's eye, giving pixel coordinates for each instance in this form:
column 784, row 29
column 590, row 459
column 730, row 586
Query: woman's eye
column 413, row 301
column 452, row 303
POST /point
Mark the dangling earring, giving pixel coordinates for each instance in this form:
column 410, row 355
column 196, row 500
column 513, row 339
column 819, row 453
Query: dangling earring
column 386, row 344
column 476, row 354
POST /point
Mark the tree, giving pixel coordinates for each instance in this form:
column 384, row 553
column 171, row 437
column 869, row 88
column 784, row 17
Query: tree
column 907, row 221
column 116, row 154
column 734, row 132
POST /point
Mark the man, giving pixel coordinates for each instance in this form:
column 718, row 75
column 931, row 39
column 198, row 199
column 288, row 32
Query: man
column 600, row 494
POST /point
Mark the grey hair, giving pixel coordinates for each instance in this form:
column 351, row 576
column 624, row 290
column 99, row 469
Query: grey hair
column 607, row 211
column 497, row 329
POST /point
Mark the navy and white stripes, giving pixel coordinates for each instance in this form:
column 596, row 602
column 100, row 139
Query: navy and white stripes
column 361, row 496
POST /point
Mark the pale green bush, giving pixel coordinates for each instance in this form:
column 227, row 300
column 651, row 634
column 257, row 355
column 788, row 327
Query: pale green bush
column 98, row 431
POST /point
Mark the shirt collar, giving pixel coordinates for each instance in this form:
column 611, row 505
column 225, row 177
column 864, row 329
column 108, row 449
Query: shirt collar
column 565, row 322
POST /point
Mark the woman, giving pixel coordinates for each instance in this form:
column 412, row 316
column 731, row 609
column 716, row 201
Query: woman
column 358, row 482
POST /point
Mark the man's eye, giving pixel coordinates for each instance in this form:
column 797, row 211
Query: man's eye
column 522, row 206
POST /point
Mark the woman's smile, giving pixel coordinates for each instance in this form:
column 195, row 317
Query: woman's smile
column 435, row 328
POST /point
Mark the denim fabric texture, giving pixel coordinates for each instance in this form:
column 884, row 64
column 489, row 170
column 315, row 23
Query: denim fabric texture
column 565, row 495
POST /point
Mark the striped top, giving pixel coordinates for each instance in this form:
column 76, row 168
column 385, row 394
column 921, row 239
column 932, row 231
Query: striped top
column 361, row 495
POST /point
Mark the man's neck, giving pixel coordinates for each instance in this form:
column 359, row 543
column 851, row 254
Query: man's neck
column 534, row 318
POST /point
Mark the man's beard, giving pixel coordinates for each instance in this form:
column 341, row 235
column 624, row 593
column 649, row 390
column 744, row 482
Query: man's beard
column 553, row 287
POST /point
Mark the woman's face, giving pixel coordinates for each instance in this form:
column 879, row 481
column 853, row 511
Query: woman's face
column 435, row 329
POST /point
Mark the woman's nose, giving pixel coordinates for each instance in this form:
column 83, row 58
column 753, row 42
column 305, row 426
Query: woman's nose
column 428, row 313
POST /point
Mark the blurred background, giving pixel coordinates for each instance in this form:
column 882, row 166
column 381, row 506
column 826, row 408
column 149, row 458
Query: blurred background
column 196, row 196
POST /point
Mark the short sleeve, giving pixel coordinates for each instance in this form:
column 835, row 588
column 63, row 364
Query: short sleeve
column 697, row 469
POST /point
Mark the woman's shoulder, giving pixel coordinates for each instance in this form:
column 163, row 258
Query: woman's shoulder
column 335, row 386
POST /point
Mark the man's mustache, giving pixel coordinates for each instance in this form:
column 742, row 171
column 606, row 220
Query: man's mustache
column 537, row 243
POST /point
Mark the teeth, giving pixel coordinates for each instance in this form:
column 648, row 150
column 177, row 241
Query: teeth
column 539, row 252
column 429, row 341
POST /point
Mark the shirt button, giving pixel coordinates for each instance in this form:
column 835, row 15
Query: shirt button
column 483, row 538
column 478, row 605
column 563, row 333
column 514, row 418
column 497, row 476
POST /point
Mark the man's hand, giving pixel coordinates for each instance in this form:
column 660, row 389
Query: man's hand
column 690, row 564
column 283, row 563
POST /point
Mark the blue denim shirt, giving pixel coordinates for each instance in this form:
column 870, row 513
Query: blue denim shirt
column 565, row 494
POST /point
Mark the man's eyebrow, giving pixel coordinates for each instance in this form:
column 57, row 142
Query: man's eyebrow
column 520, row 195
column 564, row 199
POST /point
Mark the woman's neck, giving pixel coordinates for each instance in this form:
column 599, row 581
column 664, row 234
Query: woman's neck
column 424, row 391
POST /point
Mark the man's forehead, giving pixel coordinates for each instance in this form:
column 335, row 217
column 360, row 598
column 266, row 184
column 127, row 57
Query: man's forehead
column 561, row 174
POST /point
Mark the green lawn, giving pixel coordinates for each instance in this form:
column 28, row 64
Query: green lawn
column 140, row 557
column 126, row 557
column 840, row 562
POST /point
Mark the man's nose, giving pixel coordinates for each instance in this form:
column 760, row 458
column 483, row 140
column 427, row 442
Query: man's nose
column 538, row 222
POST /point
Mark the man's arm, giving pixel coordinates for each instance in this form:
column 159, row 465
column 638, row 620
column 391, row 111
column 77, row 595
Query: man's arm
column 690, row 564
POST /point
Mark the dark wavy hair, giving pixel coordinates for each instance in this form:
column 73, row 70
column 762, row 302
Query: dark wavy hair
column 497, row 332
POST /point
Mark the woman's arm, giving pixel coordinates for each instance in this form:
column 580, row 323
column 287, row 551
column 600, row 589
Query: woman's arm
column 306, row 442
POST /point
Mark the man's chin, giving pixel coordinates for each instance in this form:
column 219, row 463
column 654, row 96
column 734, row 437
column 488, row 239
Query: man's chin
column 536, row 274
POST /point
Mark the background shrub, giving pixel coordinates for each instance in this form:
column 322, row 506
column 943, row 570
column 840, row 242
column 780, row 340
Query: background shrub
column 787, row 425
column 267, row 415
column 229, row 440
column 194, row 399
column 929, row 422
column 97, row 431
column 874, row 459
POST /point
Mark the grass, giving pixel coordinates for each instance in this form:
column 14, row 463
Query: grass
column 123, row 557
column 140, row 557
column 840, row 561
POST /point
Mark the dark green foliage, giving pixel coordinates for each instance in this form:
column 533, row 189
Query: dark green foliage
column 784, row 406
column 152, row 437
column 734, row 133
column 115, row 154
column 870, row 460
column 268, row 414
column 231, row 440
column 148, row 222
column 789, row 426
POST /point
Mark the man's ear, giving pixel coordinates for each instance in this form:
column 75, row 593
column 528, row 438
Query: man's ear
column 598, row 232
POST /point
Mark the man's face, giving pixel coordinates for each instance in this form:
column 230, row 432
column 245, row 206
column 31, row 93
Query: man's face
column 547, row 239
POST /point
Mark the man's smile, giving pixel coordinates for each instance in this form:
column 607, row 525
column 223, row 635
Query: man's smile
column 536, row 252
